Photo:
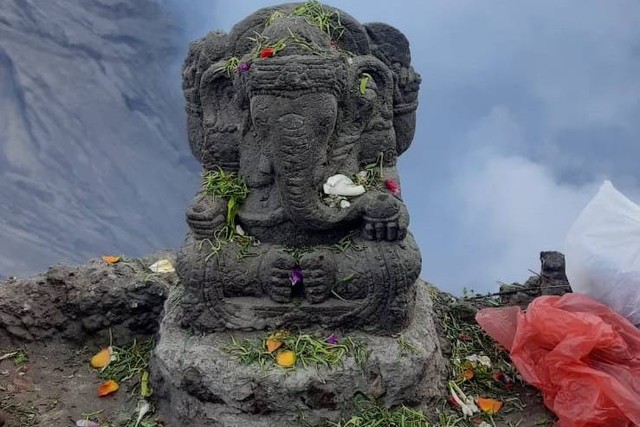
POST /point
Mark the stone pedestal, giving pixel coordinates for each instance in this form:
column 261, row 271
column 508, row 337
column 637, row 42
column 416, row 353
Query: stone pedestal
column 205, row 386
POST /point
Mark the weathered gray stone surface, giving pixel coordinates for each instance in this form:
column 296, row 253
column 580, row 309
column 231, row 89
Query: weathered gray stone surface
column 286, row 104
column 81, row 304
column 203, row 385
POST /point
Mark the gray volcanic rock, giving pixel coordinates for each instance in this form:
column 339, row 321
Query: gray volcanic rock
column 85, row 304
column 93, row 157
column 204, row 385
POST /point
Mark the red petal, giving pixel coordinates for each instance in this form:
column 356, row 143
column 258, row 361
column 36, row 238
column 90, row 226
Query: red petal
column 267, row 52
column 392, row 186
column 107, row 388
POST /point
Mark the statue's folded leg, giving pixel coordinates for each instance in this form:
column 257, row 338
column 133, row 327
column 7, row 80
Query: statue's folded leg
column 383, row 274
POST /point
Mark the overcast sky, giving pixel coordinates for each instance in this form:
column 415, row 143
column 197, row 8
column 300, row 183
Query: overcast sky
column 525, row 107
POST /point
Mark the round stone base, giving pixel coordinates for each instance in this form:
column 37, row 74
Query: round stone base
column 201, row 384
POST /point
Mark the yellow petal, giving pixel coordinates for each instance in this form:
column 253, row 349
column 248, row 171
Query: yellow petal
column 489, row 406
column 102, row 358
column 468, row 374
column 111, row 259
column 286, row 358
column 273, row 344
column 162, row 266
column 107, row 388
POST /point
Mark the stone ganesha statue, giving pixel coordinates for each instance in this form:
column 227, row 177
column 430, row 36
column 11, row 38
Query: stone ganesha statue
column 297, row 98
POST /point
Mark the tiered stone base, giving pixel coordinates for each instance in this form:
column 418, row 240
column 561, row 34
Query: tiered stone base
column 202, row 385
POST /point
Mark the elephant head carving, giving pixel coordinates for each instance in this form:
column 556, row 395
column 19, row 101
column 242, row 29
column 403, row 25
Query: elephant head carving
column 290, row 104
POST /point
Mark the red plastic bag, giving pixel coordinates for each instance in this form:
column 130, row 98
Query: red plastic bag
column 583, row 356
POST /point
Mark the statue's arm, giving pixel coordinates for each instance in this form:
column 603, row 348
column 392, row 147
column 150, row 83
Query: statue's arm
column 385, row 215
column 206, row 216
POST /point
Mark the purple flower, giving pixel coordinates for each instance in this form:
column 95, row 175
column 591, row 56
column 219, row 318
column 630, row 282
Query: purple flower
column 333, row 340
column 244, row 67
column 296, row 276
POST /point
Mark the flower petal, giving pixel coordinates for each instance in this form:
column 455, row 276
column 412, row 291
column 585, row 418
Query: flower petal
column 489, row 406
column 392, row 186
column 162, row 266
column 108, row 387
column 273, row 344
column 332, row 339
column 111, row 259
column 296, row 276
column 267, row 52
column 286, row 358
column 342, row 185
column 468, row 374
column 101, row 358
column 244, row 67
column 503, row 379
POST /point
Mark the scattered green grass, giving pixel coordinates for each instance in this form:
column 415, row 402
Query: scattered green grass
column 131, row 364
column 405, row 346
column 262, row 42
column 466, row 339
column 228, row 185
column 372, row 176
column 347, row 279
column 297, row 252
column 26, row 414
column 310, row 351
column 312, row 47
column 371, row 414
column 346, row 243
column 230, row 66
column 244, row 247
column 274, row 17
column 19, row 357
column 218, row 184
column 315, row 14
column 146, row 421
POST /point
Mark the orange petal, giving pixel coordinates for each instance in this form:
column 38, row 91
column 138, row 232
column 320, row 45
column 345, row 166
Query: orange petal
column 273, row 344
column 107, row 388
column 468, row 374
column 102, row 358
column 489, row 406
column 286, row 358
column 111, row 259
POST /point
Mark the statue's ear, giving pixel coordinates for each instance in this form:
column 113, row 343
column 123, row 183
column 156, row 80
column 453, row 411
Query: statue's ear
column 202, row 53
column 221, row 118
column 368, row 99
column 388, row 44
column 374, row 83
column 215, row 83
column 373, row 78
column 392, row 47
column 191, row 91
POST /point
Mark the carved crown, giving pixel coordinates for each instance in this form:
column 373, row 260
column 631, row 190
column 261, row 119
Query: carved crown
column 297, row 74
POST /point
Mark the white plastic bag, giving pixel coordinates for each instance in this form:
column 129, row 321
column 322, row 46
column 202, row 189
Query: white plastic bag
column 602, row 252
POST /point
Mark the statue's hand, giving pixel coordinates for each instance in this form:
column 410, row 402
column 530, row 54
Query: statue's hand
column 385, row 218
column 205, row 217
